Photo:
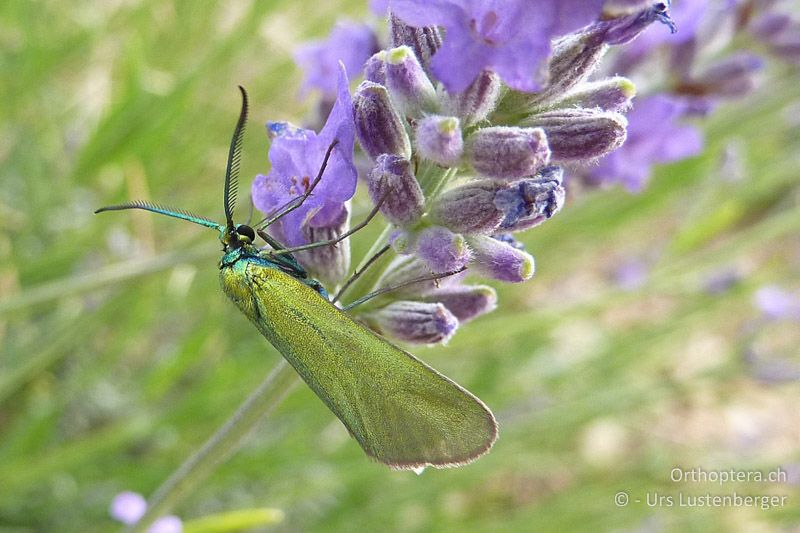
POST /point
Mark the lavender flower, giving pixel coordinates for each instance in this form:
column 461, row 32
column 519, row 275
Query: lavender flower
column 129, row 507
column 508, row 153
column 646, row 145
column 392, row 181
column 777, row 303
column 511, row 38
column 296, row 156
column 349, row 42
column 465, row 302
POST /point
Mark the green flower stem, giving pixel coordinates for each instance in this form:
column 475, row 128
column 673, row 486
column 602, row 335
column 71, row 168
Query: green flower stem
column 221, row 445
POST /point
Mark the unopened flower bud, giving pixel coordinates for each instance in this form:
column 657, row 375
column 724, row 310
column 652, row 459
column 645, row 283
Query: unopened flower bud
column 465, row 301
column 378, row 126
column 769, row 25
column 529, row 202
column 417, row 322
column 392, row 181
column 442, row 250
column 478, row 100
column 424, row 41
column 508, row 152
column 574, row 58
column 500, row 260
column 411, row 88
column 470, row 208
column 439, row 139
column 330, row 264
column 611, row 94
column 581, row 135
column 375, row 68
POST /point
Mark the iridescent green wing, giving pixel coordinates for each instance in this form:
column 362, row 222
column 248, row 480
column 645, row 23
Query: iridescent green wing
column 403, row 413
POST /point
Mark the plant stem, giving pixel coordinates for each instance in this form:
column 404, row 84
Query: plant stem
column 221, row 445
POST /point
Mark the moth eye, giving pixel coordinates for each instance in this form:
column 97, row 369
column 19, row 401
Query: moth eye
column 246, row 232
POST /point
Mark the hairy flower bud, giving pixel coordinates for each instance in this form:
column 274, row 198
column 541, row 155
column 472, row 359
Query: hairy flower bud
column 411, row 88
column 611, row 94
column 478, row 100
column 508, row 152
column 470, row 208
column 392, row 181
column 331, row 264
column 581, row 135
column 439, row 139
column 500, row 260
column 441, row 249
column 378, row 126
column 417, row 322
column 423, row 41
column 375, row 68
column 464, row 301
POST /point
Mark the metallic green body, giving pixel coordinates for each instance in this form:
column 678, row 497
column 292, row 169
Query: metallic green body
column 402, row 412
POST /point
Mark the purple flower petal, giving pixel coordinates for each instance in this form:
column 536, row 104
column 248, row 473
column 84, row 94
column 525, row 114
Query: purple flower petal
column 296, row 156
column 510, row 37
column 128, row 507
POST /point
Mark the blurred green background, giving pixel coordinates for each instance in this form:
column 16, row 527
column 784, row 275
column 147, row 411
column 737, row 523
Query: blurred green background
column 120, row 354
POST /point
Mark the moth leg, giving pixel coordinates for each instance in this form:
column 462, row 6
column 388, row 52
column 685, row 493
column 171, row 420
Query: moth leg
column 391, row 288
column 358, row 273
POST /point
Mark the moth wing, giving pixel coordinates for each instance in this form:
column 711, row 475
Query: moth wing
column 401, row 411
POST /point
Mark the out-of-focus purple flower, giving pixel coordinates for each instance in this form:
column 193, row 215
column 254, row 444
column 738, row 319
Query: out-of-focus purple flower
column 349, row 42
column 128, row 507
column 296, row 156
column 510, row 37
column 776, row 303
column 166, row 524
column 654, row 136
column 631, row 274
column 379, row 7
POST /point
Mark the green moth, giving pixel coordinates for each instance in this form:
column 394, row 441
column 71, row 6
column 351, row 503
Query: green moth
column 402, row 412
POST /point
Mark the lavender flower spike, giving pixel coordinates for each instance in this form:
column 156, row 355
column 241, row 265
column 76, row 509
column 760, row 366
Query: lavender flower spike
column 417, row 322
column 510, row 37
column 296, row 155
column 379, row 128
column 500, row 260
column 392, row 181
column 439, row 139
column 508, row 152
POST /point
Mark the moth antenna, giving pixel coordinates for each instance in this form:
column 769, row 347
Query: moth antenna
column 162, row 210
column 234, row 157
